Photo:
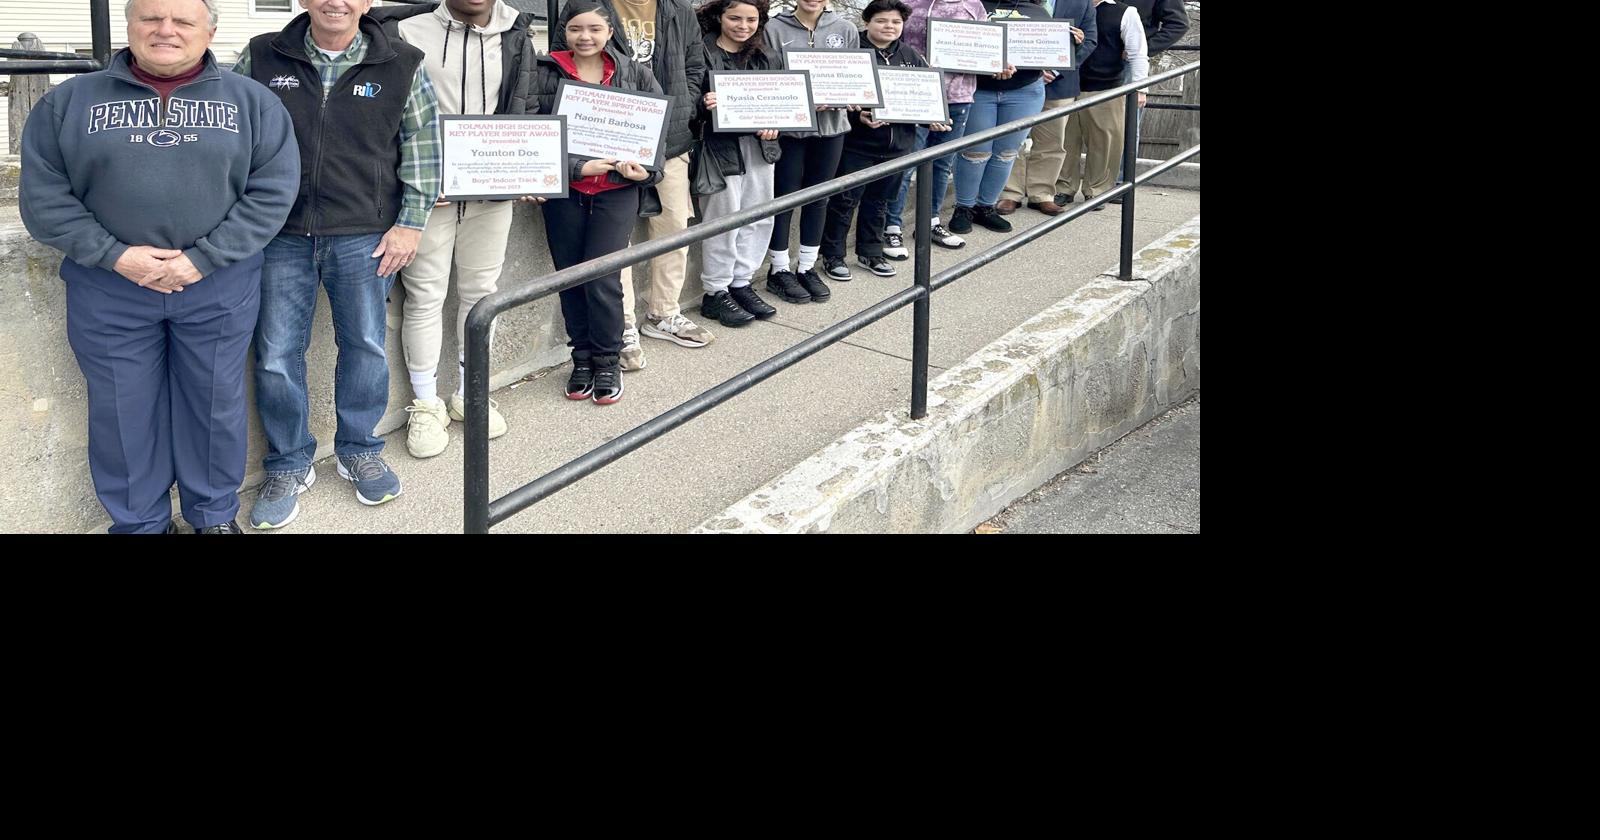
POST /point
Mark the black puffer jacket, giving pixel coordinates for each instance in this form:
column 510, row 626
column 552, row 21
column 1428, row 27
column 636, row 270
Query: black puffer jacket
column 723, row 147
column 678, row 64
column 547, row 76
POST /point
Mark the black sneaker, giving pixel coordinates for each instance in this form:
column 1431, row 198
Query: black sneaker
column 1118, row 199
column 229, row 527
column 607, row 379
column 835, row 268
column 722, row 307
column 894, row 246
column 961, row 220
column 942, row 237
column 1065, row 198
column 751, row 302
column 581, row 383
column 987, row 216
column 876, row 265
column 785, row 285
column 814, row 285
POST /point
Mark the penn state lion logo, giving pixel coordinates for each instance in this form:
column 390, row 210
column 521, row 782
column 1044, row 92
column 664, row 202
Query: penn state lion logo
column 835, row 41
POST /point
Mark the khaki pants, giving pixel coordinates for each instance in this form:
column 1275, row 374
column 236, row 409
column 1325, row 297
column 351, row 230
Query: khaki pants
column 1098, row 130
column 477, row 248
column 1034, row 175
column 667, row 270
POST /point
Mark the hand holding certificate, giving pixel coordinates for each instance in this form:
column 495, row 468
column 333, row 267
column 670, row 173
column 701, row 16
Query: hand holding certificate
column 610, row 124
column 754, row 100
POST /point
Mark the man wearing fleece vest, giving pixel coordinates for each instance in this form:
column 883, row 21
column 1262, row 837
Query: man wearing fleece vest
column 366, row 119
column 479, row 61
column 161, row 178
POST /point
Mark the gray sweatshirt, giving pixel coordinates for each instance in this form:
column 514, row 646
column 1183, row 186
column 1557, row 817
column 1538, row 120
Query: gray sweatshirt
column 834, row 32
column 106, row 166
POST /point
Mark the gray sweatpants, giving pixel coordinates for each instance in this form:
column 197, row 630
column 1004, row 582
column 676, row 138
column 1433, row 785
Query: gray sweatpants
column 737, row 254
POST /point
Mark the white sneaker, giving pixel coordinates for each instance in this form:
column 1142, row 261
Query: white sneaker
column 458, row 413
column 678, row 330
column 632, row 353
column 425, row 429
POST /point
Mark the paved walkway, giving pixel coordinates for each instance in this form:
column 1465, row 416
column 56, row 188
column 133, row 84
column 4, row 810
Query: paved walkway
column 694, row 472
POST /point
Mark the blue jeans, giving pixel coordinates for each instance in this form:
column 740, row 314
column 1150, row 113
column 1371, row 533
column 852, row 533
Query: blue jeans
column 294, row 267
column 982, row 170
column 941, row 166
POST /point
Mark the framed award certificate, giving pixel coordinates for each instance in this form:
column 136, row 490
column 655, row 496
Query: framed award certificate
column 498, row 156
column 755, row 100
column 839, row 77
column 964, row 46
column 911, row 95
column 605, row 123
column 1039, row 44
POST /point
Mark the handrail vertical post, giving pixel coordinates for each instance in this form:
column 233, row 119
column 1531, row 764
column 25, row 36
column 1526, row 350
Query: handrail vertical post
column 1130, row 165
column 475, row 460
column 100, row 31
column 921, row 314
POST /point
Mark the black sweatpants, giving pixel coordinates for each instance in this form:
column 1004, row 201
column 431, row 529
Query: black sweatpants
column 806, row 162
column 580, row 228
column 874, row 199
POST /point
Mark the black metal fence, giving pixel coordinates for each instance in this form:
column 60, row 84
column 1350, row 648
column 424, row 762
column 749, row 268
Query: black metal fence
column 21, row 62
column 480, row 512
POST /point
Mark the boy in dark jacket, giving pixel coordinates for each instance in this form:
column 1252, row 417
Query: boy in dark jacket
column 869, row 143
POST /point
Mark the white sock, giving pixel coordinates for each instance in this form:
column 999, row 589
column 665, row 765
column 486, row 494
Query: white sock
column 780, row 260
column 425, row 386
column 892, row 228
column 935, row 222
column 808, row 258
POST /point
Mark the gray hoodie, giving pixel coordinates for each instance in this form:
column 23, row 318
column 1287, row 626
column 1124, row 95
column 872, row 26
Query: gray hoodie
column 834, row 32
column 464, row 69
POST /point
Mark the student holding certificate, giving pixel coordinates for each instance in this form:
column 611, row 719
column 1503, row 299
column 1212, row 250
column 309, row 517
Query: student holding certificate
column 809, row 157
column 869, row 143
column 741, row 161
column 605, row 200
column 1004, row 97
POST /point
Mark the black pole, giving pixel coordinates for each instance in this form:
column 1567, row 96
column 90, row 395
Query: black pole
column 475, row 456
column 100, row 31
column 920, row 313
column 1130, row 166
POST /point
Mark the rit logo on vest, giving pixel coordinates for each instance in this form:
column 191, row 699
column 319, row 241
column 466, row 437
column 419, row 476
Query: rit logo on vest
column 368, row 90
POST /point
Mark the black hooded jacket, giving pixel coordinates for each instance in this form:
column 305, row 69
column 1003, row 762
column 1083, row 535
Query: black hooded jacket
column 895, row 139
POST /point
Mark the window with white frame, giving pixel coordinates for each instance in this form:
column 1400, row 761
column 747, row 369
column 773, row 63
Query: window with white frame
column 265, row 6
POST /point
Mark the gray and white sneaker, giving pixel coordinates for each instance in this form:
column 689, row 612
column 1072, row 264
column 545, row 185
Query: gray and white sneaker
column 835, row 268
column 276, row 505
column 632, row 353
column 894, row 245
column 678, row 330
column 945, row 239
column 876, row 265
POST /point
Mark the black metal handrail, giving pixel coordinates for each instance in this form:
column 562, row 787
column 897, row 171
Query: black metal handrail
column 19, row 62
column 480, row 513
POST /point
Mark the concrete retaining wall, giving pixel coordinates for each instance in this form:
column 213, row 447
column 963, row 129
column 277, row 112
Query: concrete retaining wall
column 1048, row 394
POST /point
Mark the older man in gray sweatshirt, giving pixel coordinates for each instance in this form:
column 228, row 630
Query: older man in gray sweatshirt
column 162, row 178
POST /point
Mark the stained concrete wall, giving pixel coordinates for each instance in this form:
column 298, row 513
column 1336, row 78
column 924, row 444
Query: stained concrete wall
column 1069, row 382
